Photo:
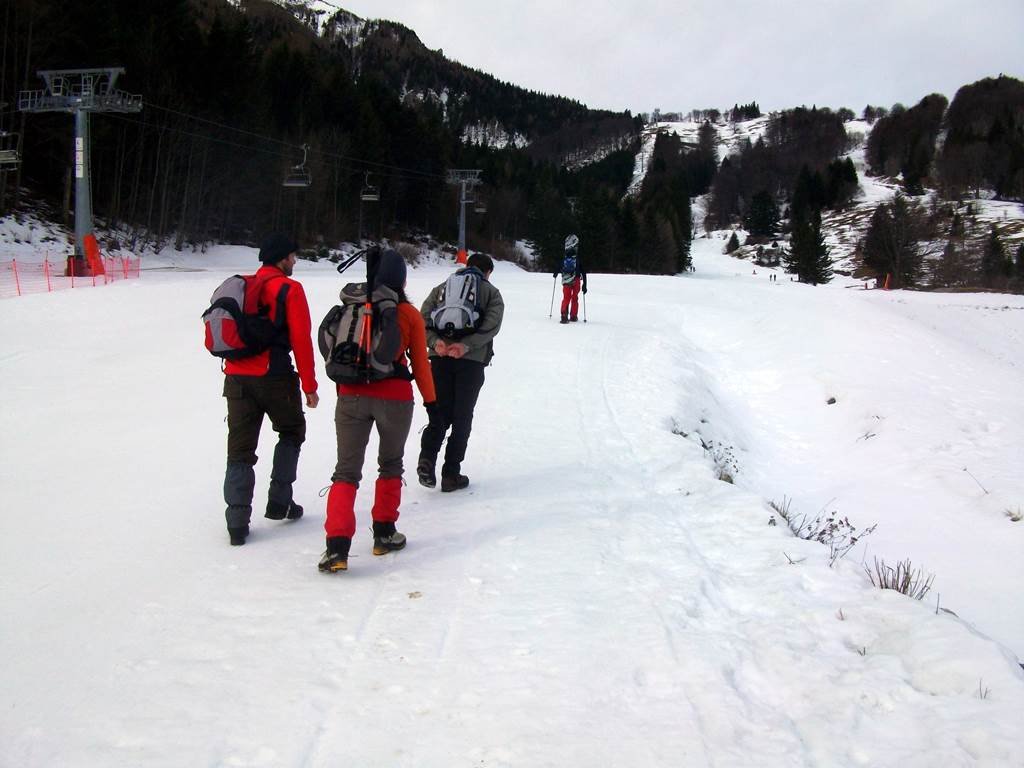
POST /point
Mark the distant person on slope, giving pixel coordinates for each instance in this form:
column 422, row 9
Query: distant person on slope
column 387, row 404
column 266, row 384
column 458, row 357
column 573, row 275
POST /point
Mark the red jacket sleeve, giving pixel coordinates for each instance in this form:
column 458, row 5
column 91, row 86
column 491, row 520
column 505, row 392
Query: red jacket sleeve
column 415, row 338
column 300, row 330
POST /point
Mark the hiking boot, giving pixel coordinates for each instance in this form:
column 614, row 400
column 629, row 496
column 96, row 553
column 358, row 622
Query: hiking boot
column 564, row 320
column 386, row 538
column 456, row 483
column 277, row 511
column 238, row 535
column 425, row 473
column 335, row 558
column 574, row 319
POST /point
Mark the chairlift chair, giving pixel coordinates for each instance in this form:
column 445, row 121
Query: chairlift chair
column 369, row 192
column 298, row 176
column 480, row 206
column 9, row 157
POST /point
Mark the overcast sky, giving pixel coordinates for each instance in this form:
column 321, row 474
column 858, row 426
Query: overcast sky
column 678, row 55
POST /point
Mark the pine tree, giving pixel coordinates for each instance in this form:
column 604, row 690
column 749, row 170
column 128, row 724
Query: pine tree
column 808, row 257
column 707, row 142
column 819, row 260
column 1019, row 266
column 890, row 244
column 809, row 194
column 658, row 251
column 951, row 269
column 993, row 260
column 733, row 244
column 956, row 229
column 875, row 248
column 629, row 229
column 762, row 219
column 684, row 236
column 685, row 258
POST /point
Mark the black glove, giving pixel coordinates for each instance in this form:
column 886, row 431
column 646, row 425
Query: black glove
column 554, row 274
column 584, row 289
column 432, row 411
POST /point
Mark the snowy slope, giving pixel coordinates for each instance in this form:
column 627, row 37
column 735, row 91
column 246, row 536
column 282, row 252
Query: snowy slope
column 598, row 596
column 730, row 138
column 843, row 229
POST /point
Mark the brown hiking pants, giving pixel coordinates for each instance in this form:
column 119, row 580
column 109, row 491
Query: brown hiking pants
column 354, row 417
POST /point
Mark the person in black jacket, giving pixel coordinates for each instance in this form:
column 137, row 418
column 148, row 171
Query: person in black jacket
column 573, row 276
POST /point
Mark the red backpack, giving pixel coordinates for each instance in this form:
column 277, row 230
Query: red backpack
column 237, row 325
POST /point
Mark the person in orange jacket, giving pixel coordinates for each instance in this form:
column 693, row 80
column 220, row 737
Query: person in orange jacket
column 266, row 384
column 387, row 404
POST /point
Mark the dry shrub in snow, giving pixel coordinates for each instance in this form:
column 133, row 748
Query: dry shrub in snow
column 837, row 533
column 903, row 578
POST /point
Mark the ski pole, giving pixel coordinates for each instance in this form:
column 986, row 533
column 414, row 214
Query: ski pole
column 551, row 309
column 349, row 262
column 584, row 307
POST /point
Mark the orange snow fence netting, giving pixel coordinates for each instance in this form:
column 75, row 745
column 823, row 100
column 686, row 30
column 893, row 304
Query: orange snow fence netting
column 18, row 278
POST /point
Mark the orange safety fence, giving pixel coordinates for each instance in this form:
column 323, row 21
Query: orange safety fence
column 18, row 278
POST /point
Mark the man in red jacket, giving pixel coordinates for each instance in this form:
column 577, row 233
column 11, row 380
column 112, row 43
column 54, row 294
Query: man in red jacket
column 267, row 384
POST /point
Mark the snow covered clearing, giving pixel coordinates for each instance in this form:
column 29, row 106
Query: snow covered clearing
column 597, row 596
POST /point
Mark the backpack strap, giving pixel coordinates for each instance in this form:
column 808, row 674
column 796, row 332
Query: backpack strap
column 280, row 315
column 257, row 307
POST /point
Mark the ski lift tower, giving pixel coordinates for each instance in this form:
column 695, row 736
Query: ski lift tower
column 465, row 180
column 9, row 157
column 81, row 91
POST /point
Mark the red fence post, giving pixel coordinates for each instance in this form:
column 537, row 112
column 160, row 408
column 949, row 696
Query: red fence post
column 46, row 271
column 17, row 283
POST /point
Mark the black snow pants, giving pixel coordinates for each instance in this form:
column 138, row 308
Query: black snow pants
column 457, row 383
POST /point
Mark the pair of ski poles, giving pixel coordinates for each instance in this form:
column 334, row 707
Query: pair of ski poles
column 551, row 309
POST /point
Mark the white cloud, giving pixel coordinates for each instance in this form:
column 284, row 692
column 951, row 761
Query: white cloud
column 704, row 53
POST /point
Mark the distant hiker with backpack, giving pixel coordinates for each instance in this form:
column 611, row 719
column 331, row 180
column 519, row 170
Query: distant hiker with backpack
column 573, row 275
column 254, row 323
column 367, row 343
column 463, row 315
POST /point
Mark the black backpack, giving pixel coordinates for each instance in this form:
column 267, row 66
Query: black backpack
column 237, row 325
column 360, row 338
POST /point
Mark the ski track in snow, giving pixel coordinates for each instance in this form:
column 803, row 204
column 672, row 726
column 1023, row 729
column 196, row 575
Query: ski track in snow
column 596, row 596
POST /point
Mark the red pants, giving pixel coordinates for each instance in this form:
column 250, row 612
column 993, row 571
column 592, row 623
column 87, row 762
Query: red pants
column 571, row 299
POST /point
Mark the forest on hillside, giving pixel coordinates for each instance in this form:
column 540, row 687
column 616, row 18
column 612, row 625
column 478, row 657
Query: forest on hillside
column 234, row 99
column 237, row 97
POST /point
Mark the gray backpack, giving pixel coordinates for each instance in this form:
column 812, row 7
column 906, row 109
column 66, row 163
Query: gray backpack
column 458, row 311
column 354, row 353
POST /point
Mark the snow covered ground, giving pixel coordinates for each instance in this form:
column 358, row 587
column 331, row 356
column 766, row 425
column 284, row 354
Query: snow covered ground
column 597, row 596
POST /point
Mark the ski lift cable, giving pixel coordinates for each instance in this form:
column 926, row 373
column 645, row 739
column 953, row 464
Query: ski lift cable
column 352, row 170
column 193, row 134
column 294, row 146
